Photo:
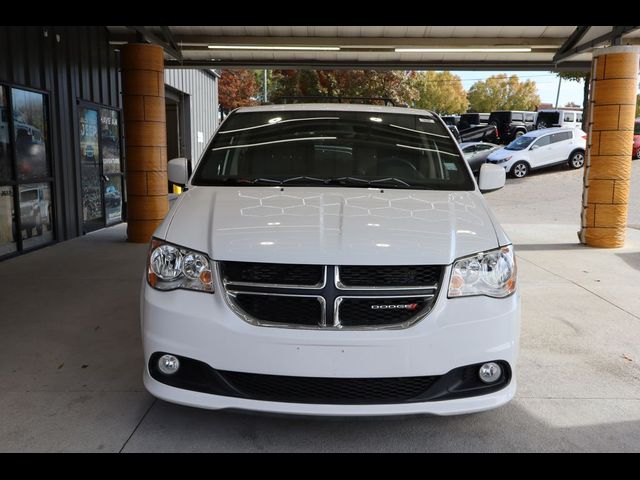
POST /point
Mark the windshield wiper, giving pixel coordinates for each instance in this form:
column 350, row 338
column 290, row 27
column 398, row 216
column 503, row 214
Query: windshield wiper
column 361, row 182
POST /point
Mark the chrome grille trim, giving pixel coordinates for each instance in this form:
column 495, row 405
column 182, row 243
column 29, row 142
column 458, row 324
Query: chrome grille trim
column 405, row 324
column 330, row 295
column 340, row 286
column 317, row 286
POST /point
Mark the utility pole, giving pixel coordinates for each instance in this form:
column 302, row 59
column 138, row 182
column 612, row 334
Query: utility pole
column 558, row 95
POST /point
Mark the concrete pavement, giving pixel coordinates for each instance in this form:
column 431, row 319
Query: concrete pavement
column 70, row 355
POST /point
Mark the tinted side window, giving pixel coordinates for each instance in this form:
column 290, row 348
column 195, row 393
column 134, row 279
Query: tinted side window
column 516, row 117
column 579, row 117
column 569, row 116
column 528, row 117
column 560, row 137
column 543, row 141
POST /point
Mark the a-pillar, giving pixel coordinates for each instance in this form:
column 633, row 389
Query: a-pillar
column 607, row 172
column 142, row 68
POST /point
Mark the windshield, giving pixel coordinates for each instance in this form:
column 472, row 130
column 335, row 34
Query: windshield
column 333, row 148
column 520, row 143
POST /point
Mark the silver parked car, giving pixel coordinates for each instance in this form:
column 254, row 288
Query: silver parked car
column 476, row 153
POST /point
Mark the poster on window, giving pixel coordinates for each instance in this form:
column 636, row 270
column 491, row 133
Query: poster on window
column 29, row 129
column 110, row 149
column 90, row 164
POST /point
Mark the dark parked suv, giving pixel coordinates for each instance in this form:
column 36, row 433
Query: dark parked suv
column 468, row 120
column 512, row 123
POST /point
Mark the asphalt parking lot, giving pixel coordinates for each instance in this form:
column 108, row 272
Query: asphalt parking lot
column 71, row 355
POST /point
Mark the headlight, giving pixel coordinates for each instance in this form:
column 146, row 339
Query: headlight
column 491, row 273
column 503, row 160
column 170, row 267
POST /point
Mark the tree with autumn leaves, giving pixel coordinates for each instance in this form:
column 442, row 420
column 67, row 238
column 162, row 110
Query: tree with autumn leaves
column 237, row 88
column 439, row 91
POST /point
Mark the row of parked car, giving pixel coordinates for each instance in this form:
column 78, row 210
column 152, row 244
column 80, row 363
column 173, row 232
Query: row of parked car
column 504, row 126
column 546, row 145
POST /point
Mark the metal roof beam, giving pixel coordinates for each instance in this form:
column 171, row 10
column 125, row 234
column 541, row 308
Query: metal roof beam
column 151, row 37
column 383, row 65
column 614, row 37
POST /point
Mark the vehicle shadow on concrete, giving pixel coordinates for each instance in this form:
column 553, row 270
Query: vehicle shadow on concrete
column 631, row 258
column 516, row 427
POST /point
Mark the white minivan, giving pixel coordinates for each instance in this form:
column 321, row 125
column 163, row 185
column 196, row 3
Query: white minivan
column 332, row 259
column 540, row 149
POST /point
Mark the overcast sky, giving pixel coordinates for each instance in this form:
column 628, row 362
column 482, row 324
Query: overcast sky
column 547, row 83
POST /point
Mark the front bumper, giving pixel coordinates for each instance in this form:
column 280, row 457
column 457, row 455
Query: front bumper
column 457, row 332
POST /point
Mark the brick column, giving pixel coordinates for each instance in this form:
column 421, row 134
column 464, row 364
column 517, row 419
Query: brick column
column 145, row 139
column 607, row 171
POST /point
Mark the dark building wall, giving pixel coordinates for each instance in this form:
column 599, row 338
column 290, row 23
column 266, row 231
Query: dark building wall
column 69, row 64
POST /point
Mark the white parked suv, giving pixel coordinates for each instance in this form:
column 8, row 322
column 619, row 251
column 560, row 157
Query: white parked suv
column 540, row 149
column 332, row 259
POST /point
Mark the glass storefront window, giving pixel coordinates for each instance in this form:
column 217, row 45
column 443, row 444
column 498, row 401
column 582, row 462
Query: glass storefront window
column 30, row 134
column 6, row 172
column 7, row 226
column 35, row 214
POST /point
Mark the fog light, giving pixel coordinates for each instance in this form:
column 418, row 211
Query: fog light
column 168, row 364
column 490, row 372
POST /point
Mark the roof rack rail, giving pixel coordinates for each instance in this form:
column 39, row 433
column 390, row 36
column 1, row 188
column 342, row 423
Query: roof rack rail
column 337, row 99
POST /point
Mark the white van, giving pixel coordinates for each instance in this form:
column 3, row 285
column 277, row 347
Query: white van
column 334, row 259
column 559, row 118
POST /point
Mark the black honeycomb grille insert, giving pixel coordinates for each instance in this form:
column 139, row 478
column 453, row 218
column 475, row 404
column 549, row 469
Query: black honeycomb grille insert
column 280, row 309
column 390, row 276
column 274, row 273
column 329, row 390
column 356, row 312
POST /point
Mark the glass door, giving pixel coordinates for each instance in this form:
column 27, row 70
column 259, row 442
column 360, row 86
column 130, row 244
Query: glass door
column 100, row 167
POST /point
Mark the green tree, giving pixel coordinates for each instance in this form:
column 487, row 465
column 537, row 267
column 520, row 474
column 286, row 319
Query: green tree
column 500, row 92
column 440, row 91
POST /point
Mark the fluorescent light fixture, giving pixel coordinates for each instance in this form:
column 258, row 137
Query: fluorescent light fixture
column 269, row 47
column 463, row 50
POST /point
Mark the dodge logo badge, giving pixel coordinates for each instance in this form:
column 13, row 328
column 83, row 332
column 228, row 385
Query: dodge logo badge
column 405, row 306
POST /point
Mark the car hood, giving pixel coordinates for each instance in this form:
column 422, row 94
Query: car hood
column 500, row 154
column 327, row 225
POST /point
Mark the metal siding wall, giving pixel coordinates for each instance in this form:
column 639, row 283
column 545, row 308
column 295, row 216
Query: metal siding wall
column 203, row 92
column 81, row 65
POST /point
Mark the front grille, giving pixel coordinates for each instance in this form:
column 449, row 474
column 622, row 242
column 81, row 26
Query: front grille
column 380, row 311
column 273, row 273
column 319, row 296
column 281, row 309
column 329, row 390
column 366, row 276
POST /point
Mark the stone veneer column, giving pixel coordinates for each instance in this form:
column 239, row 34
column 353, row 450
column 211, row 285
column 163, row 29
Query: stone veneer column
column 145, row 139
column 607, row 172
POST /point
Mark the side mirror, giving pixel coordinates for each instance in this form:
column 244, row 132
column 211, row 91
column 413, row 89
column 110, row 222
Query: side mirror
column 492, row 177
column 178, row 171
column 534, row 147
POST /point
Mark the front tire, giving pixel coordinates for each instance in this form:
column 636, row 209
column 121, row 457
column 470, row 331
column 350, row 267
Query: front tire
column 520, row 169
column 519, row 133
column 576, row 160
